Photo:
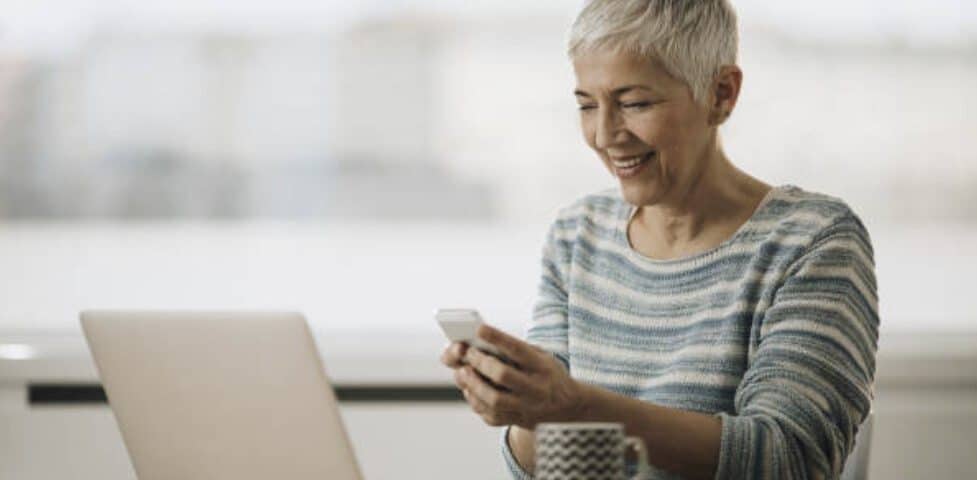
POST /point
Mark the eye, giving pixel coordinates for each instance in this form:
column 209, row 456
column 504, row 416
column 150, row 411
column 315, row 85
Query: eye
column 636, row 105
column 586, row 107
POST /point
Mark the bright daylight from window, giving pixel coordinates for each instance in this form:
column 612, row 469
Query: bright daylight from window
column 324, row 155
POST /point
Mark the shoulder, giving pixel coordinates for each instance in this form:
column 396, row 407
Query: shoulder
column 600, row 206
column 810, row 214
column 592, row 218
column 811, row 221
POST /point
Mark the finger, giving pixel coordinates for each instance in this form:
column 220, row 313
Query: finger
column 494, row 399
column 459, row 379
column 473, row 401
column 458, row 349
column 453, row 355
column 447, row 359
column 489, row 416
column 511, row 347
column 498, row 372
column 493, row 416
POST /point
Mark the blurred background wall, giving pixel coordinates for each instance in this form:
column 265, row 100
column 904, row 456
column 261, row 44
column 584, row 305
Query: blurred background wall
column 367, row 162
column 114, row 113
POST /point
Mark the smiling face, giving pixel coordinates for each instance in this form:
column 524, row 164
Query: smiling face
column 644, row 125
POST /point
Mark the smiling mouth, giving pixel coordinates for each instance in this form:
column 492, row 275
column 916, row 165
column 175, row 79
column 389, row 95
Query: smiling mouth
column 631, row 166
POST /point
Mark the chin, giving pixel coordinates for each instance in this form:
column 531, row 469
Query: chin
column 640, row 194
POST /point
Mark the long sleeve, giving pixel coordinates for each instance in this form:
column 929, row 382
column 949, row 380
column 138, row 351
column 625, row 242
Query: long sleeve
column 549, row 326
column 808, row 386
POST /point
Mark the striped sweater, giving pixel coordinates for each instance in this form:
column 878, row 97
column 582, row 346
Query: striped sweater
column 774, row 331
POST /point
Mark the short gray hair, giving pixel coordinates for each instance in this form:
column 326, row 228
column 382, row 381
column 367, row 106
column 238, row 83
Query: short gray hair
column 691, row 39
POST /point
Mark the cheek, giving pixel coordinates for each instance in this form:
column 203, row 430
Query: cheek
column 687, row 132
column 589, row 130
column 658, row 130
column 666, row 134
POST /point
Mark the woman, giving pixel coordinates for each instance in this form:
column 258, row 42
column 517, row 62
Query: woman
column 730, row 324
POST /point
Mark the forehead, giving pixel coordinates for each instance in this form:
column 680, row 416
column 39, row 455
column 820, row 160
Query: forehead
column 603, row 71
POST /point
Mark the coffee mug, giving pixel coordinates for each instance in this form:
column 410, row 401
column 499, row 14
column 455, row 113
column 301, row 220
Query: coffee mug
column 585, row 451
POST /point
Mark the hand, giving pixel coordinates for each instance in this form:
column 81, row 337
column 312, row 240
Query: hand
column 453, row 355
column 536, row 388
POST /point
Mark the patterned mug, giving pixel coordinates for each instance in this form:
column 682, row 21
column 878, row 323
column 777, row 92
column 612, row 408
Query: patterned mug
column 585, row 451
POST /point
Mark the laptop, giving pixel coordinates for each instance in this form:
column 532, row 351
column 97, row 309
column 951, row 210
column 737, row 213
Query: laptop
column 220, row 395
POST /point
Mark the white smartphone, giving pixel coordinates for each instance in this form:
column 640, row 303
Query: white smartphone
column 461, row 325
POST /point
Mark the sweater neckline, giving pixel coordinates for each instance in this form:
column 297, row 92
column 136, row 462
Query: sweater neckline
column 627, row 212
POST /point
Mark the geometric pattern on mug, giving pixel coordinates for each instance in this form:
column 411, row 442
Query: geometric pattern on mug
column 585, row 454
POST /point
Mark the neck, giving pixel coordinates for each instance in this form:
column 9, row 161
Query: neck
column 718, row 196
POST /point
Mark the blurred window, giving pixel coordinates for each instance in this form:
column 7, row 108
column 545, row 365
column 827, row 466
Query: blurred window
column 431, row 109
column 430, row 113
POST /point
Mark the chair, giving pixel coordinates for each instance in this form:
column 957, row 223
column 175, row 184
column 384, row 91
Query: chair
column 856, row 467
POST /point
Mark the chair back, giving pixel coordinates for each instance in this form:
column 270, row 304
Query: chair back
column 856, row 467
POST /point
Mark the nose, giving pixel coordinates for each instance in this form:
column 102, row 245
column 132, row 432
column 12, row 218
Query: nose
column 610, row 129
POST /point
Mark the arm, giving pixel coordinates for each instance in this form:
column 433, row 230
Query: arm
column 542, row 391
column 807, row 389
column 809, row 384
column 678, row 441
column 797, row 408
column 521, row 443
column 548, row 330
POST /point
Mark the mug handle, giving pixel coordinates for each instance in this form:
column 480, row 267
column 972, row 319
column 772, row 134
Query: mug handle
column 639, row 448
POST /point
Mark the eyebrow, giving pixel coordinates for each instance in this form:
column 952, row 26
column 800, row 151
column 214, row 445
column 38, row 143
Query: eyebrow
column 615, row 92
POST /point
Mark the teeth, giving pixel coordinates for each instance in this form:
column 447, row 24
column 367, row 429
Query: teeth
column 632, row 162
column 627, row 164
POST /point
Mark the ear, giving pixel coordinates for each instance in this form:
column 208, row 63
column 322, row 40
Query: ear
column 725, row 92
